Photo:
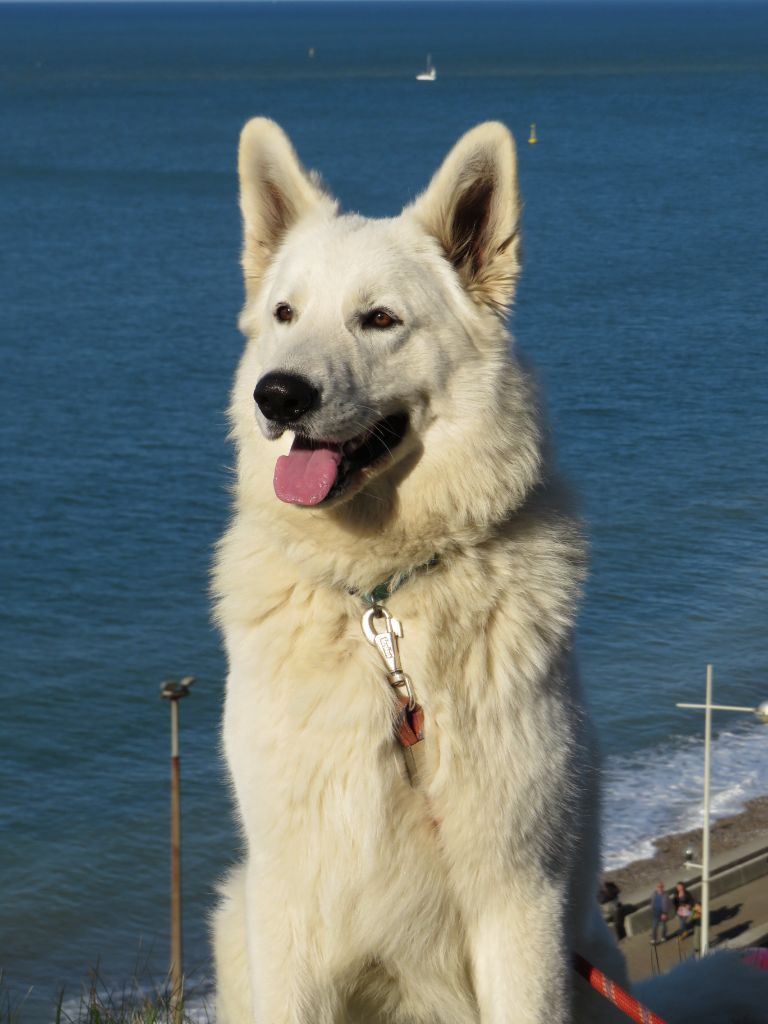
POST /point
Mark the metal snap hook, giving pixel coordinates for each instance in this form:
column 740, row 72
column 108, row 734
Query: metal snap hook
column 385, row 642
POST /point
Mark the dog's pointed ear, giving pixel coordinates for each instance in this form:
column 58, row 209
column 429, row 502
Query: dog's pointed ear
column 275, row 193
column 472, row 207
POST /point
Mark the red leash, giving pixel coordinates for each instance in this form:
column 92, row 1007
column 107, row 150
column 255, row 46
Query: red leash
column 756, row 957
column 615, row 993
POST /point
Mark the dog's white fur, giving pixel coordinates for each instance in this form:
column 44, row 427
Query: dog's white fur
column 351, row 904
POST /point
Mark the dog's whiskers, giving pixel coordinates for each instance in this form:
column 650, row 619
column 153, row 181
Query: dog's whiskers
column 378, row 433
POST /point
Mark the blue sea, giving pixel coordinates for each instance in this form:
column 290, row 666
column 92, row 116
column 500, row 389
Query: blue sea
column 643, row 306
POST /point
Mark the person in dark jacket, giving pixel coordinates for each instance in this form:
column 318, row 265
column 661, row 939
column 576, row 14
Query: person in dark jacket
column 683, row 902
column 609, row 894
column 661, row 908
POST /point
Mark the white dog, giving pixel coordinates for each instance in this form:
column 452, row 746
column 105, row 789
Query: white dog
column 394, row 455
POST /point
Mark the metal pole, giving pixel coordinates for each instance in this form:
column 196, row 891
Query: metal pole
column 705, row 828
column 177, row 958
column 721, row 707
column 173, row 692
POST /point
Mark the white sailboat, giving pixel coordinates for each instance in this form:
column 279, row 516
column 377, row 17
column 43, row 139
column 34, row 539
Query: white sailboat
column 430, row 74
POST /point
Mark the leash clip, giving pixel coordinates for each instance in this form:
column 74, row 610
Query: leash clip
column 385, row 642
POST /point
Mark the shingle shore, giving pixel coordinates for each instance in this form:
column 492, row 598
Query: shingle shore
column 666, row 865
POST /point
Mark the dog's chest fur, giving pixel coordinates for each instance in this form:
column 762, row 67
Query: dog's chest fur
column 309, row 713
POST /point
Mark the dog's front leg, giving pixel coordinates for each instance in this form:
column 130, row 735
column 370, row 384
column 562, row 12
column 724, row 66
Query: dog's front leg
column 289, row 979
column 507, row 839
column 518, row 953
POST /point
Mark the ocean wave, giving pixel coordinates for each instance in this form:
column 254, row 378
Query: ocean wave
column 660, row 790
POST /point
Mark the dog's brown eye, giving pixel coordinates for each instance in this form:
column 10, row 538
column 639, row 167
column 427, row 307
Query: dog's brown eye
column 284, row 313
column 380, row 319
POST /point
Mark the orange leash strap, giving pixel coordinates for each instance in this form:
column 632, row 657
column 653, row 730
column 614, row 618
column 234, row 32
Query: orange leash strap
column 614, row 993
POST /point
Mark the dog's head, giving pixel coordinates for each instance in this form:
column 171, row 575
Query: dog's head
column 378, row 347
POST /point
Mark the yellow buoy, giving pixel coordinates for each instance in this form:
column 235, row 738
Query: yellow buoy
column 532, row 137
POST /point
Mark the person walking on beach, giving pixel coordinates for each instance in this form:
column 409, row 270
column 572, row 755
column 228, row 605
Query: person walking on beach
column 683, row 902
column 661, row 908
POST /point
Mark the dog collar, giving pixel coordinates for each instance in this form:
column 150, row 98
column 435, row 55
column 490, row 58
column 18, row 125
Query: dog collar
column 392, row 583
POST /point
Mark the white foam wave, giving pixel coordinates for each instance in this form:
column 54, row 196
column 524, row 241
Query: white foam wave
column 652, row 793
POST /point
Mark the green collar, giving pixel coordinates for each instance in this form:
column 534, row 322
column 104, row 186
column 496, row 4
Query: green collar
column 392, row 583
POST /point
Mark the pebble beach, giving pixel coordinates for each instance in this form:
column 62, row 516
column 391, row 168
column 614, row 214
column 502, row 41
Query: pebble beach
column 728, row 833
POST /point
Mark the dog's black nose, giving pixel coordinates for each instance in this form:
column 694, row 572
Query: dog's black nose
column 284, row 397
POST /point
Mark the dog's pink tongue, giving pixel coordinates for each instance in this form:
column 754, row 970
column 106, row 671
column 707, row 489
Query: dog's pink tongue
column 306, row 474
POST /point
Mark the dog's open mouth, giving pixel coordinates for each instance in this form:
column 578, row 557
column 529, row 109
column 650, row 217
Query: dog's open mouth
column 314, row 471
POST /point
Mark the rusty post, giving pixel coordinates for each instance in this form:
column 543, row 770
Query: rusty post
column 173, row 692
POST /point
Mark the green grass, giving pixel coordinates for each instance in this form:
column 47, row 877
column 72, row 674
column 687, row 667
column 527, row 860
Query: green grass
column 134, row 1003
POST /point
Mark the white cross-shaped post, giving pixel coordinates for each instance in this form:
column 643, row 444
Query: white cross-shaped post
column 762, row 712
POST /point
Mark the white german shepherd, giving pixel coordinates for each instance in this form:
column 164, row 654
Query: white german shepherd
column 394, row 448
